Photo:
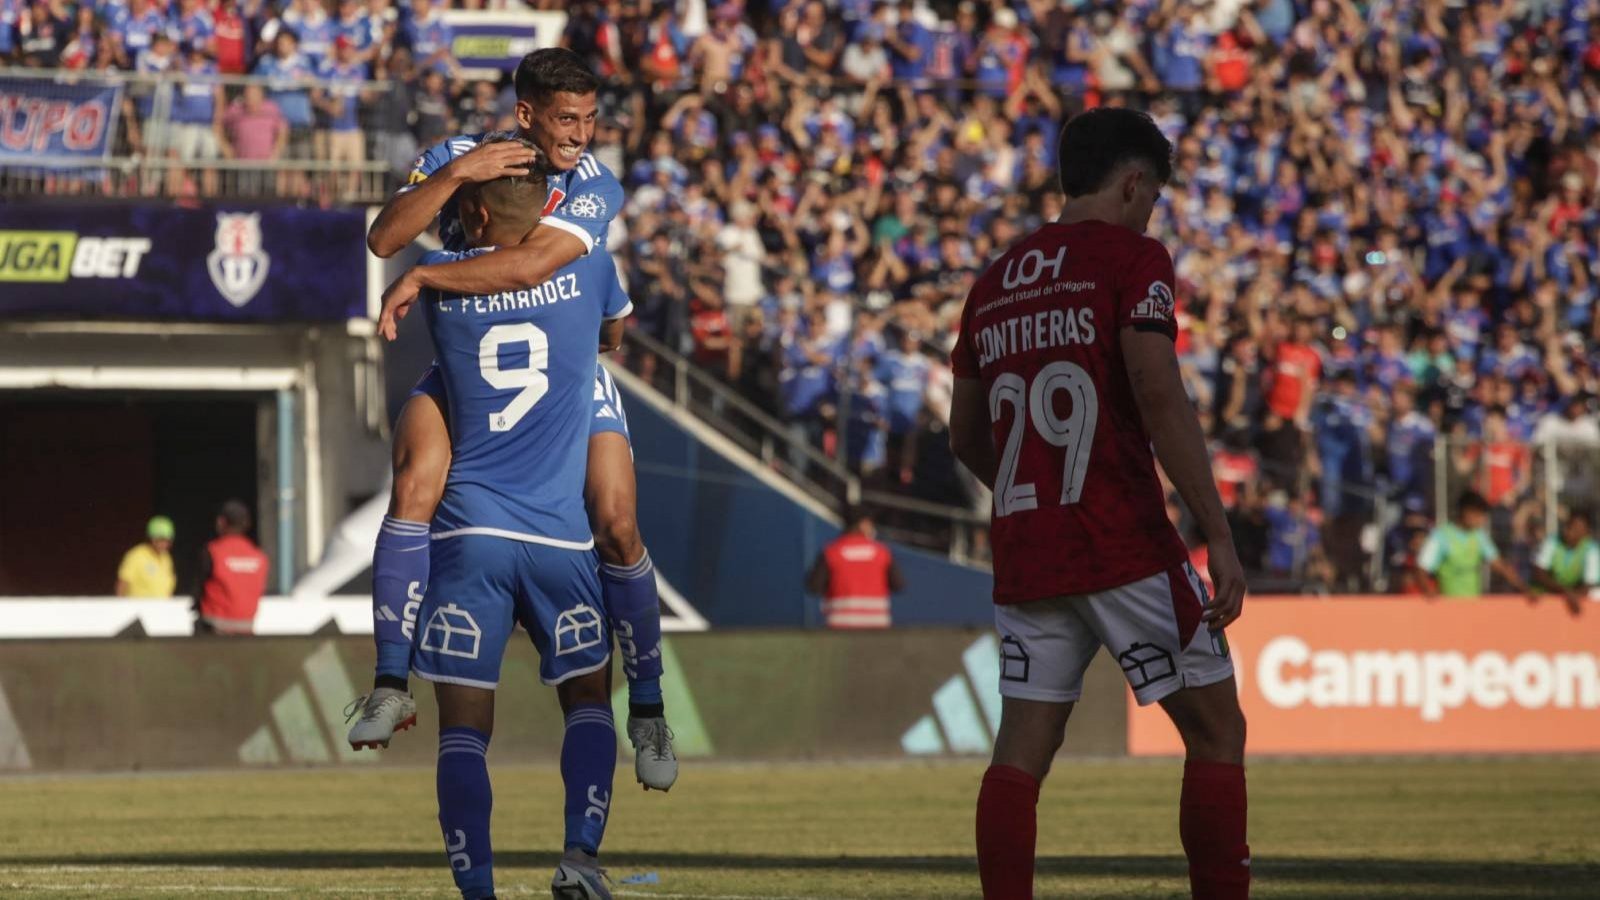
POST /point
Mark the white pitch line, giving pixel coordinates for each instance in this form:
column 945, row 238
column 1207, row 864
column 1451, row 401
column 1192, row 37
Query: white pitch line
column 90, row 867
column 383, row 890
column 621, row 893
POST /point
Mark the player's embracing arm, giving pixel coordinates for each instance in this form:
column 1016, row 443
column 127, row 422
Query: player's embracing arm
column 433, row 181
column 1147, row 327
column 573, row 230
column 971, row 432
column 614, row 313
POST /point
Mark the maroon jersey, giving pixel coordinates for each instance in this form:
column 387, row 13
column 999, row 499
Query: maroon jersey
column 1077, row 503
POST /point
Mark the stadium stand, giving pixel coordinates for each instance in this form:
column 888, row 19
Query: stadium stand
column 1383, row 214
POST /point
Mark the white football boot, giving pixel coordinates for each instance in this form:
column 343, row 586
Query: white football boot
column 579, row 877
column 383, row 712
column 654, row 763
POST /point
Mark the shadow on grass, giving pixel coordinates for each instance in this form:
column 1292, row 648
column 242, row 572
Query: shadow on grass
column 1541, row 879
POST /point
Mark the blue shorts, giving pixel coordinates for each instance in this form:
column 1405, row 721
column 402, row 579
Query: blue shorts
column 608, row 413
column 481, row 586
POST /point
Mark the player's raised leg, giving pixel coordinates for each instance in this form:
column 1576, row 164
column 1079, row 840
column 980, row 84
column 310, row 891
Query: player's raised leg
column 400, row 561
column 628, row 580
column 1211, row 813
column 588, row 766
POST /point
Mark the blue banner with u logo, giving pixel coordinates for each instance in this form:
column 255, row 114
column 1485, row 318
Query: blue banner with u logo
column 161, row 262
column 41, row 118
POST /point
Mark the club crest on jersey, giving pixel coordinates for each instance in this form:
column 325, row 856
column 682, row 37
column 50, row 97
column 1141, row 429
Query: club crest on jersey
column 1157, row 304
column 588, row 206
column 556, row 196
column 238, row 265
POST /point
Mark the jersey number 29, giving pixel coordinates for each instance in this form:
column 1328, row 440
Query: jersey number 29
column 1075, row 431
column 531, row 383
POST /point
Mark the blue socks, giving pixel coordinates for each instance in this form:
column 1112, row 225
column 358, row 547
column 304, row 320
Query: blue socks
column 464, row 803
column 399, row 578
column 635, row 613
column 588, row 761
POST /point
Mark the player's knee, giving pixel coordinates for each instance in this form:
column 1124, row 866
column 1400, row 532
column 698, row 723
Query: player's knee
column 616, row 537
column 586, row 690
column 1217, row 736
column 418, row 486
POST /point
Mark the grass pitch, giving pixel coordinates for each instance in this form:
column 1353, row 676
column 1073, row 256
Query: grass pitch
column 1496, row 828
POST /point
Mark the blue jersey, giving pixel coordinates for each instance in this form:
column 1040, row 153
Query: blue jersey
column 519, row 369
column 583, row 200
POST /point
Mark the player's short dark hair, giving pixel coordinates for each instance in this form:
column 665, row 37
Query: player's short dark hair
column 514, row 199
column 553, row 70
column 235, row 515
column 1096, row 142
column 1472, row 501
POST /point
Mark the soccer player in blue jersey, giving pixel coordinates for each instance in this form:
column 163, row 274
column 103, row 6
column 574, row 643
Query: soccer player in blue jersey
column 556, row 111
column 511, row 539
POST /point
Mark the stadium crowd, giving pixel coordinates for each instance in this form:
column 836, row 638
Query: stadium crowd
column 1383, row 214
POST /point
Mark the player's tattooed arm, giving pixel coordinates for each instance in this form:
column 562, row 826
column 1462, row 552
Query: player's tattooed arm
column 408, row 214
column 971, row 434
column 1180, row 446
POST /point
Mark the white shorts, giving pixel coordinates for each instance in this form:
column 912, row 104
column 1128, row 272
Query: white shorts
column 1151, row 626
column 196, row 141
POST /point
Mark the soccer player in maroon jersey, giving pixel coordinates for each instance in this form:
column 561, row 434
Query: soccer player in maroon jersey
column 1066, row 375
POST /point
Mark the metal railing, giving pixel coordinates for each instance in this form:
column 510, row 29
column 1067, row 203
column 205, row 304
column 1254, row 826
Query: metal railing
column 149, row 151
column 958, row 532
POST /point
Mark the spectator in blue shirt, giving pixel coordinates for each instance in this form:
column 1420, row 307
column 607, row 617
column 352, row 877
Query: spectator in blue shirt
column 1509, row 357
column 1341, row 421
column 430, row 37
column 193, row 25
column 866, row 441
column 11, row 12
column 1446, row 235
column 910, row 45
column 1181, row 59
column 339, row 105
column 286, row 65
column 197, row 106
column 139, row 29
column 1410, row 446
column 1291, row 535
column 310, row 22
column 354, row 25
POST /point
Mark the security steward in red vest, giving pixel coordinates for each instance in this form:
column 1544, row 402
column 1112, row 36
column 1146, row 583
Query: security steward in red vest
column 232, row 576
column 854, row 576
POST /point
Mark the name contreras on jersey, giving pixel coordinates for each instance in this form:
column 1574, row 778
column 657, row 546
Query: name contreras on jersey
column 1040, row 331
column 561, row 287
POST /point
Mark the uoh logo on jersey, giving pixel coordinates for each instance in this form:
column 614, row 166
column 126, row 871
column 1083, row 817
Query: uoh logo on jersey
column 238, row 265
column 1027, row 268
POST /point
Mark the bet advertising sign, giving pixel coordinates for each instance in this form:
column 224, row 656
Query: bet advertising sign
column 161, row 262
column 1407, row 675
column 40, row 118
column 487, row 42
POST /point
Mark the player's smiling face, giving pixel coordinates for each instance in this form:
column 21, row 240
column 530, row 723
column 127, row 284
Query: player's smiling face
column 561, row 126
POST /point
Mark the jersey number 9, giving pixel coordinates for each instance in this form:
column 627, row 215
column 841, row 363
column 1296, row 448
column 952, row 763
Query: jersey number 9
column 531, row 383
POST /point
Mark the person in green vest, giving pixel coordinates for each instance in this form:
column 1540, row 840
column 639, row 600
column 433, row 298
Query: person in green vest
column 1568, row 565
column 1456, row 552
